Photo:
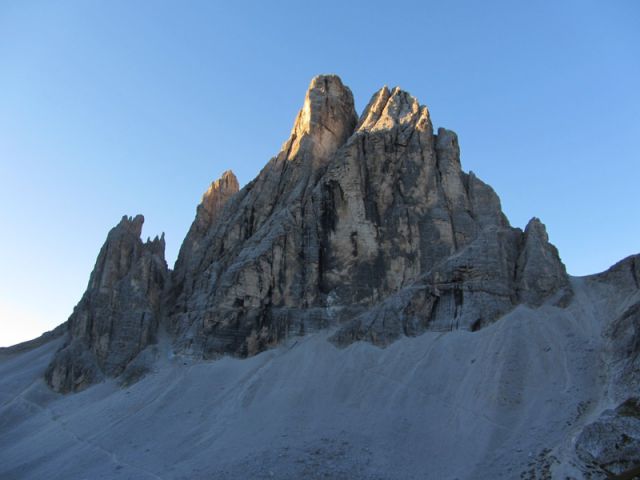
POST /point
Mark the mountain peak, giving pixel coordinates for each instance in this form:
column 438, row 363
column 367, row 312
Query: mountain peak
column 373, row 235
column 390, row 108
column 209, row 210
column 131, row 225
column 226, row 184
column 215, row 197
column 540, row 272
column 378, row 227
column 325, row 122
column 117, row 316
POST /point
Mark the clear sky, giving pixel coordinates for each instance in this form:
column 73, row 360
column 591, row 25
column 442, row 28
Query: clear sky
column 123, row 107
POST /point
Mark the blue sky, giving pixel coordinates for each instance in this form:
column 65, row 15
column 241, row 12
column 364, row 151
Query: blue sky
column 123, row 107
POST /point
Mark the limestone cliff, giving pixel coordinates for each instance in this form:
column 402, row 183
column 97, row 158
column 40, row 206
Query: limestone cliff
column 118, row 314
column 210, row 208
column 366, row 222
column 380, row 228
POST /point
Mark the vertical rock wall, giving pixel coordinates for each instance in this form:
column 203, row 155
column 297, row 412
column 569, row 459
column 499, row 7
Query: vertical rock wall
column 366, row 222
column 119, row 313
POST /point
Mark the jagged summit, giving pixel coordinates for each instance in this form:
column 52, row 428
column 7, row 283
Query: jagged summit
column 388, row 109
column 368, row 225
column 539, row 267
column 132, row 224
column 214, row 198
column 118, row 315
column 358, row 230
column 326, row 120
column 226, row 182
column 207, row 213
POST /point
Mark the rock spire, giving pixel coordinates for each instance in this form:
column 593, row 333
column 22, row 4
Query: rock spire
column 367, row 224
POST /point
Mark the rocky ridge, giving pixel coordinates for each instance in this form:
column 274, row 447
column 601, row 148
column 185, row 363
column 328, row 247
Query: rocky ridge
column 367, row 224
column 118, row 315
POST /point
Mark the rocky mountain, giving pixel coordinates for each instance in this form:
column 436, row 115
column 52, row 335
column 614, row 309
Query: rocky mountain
column 118, row 315
column 366, row 230
column 369, row 223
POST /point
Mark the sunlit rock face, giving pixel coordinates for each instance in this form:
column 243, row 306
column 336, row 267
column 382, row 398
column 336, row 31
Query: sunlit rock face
column 370, row 223
column 118, row 315
column 324, row 123
column 367, row 223
column 256, row 282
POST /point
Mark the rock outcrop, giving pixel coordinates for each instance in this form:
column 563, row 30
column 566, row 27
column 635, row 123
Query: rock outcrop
column 256, row 281
column 207, row 213
column 610, row 445
column 621, row 291
column 612, row 442
column 118, row 315
column 369, row 223
column 371, row 220
column 540, row 273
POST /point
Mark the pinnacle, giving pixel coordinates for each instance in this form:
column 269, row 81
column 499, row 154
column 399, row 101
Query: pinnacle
column 132, row 224
column 325, row 122
column 228, row 174
column 226, row 185
column 537, row 228
column 390, row 108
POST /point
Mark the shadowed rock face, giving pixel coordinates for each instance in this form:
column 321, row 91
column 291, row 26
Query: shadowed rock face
column 365, row 222
column 540, row 273
column 611, row 443
column 118, row 315
column 623, row 333
column 210, row 208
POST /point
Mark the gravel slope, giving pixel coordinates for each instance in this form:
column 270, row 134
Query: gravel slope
column 503, row 402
